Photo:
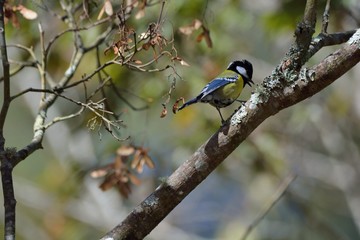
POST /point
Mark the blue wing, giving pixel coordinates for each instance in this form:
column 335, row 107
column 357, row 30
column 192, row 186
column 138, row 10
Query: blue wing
column 216, row 84
column 211, row 87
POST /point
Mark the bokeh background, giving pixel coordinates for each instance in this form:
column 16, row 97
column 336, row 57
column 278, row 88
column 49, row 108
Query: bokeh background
column 317, row 140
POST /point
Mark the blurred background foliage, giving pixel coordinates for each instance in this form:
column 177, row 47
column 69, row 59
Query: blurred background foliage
column 318, row 139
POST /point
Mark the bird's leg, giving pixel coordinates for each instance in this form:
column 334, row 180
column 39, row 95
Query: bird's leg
column 240, row 101
column 222, row 119
column 242, row 104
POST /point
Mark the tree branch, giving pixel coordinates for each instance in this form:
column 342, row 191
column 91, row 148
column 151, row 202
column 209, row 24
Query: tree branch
column 8, row 193
column 265, row 102
column 323, row 40
column 6, row 155
column 295, row 58
column 325, row 19
column 6, row 77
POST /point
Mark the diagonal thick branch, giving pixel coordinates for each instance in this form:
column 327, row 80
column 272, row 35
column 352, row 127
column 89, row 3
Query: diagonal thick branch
column 273, row 96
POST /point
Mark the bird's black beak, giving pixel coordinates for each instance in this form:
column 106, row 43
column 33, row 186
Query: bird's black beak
column 249, row 82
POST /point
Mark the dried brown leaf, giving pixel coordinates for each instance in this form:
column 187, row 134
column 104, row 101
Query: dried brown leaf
column 108, row 8
column 148, row 161
column 155, row 54
column 144, row 35
column 12, row 17
column 15, row 21
column 182, row 62
column 140, row 166
column 207, row 37
column 136, row 160
column 102, row 171
column 98, row 173
column 163, row 112
column 137, row 61
column 118, row 164
column 27, row 13
column 141, row 11
column 101, row 13
column 200, row 37
column 124, row 178
column 125, row 150
column 140, row 14
column 124, row 189
column 109, row 181
column 176, row 104
column 189, row 29
column 205, row 34
column 134, row 179
column 146, row 46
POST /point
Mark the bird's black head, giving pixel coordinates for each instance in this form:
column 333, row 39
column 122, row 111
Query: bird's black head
column 244, row 68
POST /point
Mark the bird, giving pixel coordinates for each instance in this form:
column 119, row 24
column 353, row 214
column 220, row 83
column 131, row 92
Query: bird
column 226, row 87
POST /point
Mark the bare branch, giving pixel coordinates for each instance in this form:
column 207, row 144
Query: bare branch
column 99, row 88
column 87, row 78
column 57, row 36
column 63, row 118
column 6, row 155
column 42, row 65
column 323, row 40
column 6, row 77
column 118, row 94
column 27, row 49
column 100, row 39
column 325, row 19
column 31, row 90
column 296, row 56
column 21, row 66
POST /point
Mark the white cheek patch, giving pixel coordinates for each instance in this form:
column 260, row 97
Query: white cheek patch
column 242, row 71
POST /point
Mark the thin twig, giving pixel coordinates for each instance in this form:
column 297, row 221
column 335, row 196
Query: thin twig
column 6, row 77
column 161, row 13
column 323, row 40
column 63, row 118
column 101, row 81
column 52, row 41
column 27, row 49
column 6, row 155
column 141, row 66
column 21, row 66
column 325, row 19
column 87, row 78
column 296, row 56
column 31, row 90
column 118, row 94
column 42, row 65
column 272, row 201
column 99, row 88
column 98, row 109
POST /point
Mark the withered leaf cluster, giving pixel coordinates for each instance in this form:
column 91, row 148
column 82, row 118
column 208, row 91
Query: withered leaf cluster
column 195, row 25
column 11, row 13
column 119, row 174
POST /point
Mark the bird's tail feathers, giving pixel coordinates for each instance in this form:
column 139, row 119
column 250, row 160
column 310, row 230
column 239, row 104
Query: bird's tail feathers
column 192, row 101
